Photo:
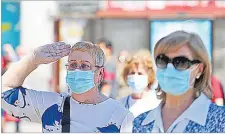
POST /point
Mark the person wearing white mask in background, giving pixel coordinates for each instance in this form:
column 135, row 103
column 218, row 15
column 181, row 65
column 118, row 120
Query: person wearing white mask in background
column 83, row 109
column 183, row 73
column 139, row 75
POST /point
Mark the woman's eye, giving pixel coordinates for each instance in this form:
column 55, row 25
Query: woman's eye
column 139, row 73
column 73, row 65
column 132, row 73
column 84, row 66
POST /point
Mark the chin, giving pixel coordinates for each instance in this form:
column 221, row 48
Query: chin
column 136, row 95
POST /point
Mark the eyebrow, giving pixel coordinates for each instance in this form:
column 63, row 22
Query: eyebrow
column 81, row 60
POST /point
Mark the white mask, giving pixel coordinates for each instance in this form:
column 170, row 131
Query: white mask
column 137, row 82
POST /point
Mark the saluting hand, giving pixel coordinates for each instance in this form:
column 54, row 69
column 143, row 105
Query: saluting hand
column 50, row 52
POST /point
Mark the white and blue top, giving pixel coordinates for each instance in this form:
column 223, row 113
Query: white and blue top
column 201, row 116
column 47, row 108
column 139, row 106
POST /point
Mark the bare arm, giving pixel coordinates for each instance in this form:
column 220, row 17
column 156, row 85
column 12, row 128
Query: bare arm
column 16, row 74
column 28, row 104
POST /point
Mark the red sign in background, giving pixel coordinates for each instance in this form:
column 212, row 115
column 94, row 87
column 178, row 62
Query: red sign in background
column 163, row 9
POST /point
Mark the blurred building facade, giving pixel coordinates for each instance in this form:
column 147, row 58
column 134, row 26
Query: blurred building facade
column 128, row 28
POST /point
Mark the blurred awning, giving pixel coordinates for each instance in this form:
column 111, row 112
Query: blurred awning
column 163, row 9
column 141, row 9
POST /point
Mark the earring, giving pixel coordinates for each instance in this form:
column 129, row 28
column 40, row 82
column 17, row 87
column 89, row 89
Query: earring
column 198, row 76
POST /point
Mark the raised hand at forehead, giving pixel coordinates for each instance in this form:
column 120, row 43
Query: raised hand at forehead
column 50, row 52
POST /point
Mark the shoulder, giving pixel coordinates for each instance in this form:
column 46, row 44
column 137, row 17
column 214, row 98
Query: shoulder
column 215, row 110
column 146, row 118
column 119, row 111
column 123, row 100
column 139, row 119
column 53, row 112
column 118, row 106
column 50, row 98
column 216, row 113
column 215, row 121
column 119, row 114
column 143, row 123
column 42, row 97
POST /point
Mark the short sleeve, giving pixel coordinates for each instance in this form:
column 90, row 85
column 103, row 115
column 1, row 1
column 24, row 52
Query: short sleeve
column 31, row 105
column 123, row 101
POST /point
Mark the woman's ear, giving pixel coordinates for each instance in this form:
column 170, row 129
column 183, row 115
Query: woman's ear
column 200, row 70
column 101, row 74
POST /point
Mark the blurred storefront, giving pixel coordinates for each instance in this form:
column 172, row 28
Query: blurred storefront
column 129, row 25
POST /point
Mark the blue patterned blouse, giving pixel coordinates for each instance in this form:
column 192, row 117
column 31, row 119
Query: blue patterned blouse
column 201, row 116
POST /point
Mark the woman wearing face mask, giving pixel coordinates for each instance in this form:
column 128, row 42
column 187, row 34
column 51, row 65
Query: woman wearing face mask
column 183, row 73
column 140, row 76
column 84, row 109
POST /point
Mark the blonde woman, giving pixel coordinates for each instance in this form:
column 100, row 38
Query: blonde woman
column 183, row 73
column 139, row 75
column 83, row 110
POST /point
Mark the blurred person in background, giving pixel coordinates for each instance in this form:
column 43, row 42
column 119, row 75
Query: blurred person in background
column 10, row 56
column 123, row 58
column 183, row 73
column 217, row 91
column 2, row 121
column 4, row 63
column 11, row 53
column 109, row 86
column 3, row 70
column 82, row 109
column 140, row 76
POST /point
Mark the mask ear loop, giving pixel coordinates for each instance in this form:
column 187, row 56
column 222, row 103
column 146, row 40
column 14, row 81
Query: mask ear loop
column 192, row 82
column 198, row 92
column 98, row 68
column 69, row 90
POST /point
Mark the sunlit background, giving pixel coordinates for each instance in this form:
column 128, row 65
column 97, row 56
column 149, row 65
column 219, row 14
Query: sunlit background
column 129, row 25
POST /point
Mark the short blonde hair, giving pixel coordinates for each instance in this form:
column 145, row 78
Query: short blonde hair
column 141, row 57
column 174, row 41
column 94, row 50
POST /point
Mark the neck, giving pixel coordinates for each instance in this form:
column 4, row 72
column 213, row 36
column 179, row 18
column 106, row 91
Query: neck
column 141, row 95
column 179, row 103
column 90, row 97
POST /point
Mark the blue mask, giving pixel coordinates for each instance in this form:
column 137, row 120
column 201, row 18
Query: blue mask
column 137, row 82
column 80, row 81
column 173, row 81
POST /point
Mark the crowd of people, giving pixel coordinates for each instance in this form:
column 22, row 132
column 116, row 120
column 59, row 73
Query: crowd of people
column 171, row 91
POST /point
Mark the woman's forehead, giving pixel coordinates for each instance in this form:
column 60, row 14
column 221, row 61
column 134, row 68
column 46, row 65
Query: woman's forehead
column 175, row 50
column 183, row 50
column 80, row 56
column 137, row 67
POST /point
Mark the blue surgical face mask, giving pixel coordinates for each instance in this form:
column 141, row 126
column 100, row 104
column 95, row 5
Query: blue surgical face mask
column 137, row 82
column 173, row 81
column 80, row 81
